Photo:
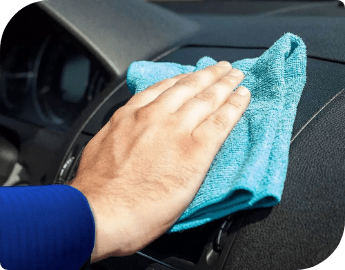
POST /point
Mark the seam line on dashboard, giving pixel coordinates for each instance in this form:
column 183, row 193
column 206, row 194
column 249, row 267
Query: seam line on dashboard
column 247, row 48
column 314, row 116
column 223, row 46
column 155, row 260
column 287, row 9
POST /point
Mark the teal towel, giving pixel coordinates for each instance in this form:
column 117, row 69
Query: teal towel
column 250, row 168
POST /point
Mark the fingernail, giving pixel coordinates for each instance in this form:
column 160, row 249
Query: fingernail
column 223, row 64
column 242, row 91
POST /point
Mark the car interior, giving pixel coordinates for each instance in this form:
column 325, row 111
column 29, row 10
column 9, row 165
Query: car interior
column 63, row 75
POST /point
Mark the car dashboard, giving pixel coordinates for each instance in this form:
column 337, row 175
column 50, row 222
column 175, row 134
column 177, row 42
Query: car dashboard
column 63, row 75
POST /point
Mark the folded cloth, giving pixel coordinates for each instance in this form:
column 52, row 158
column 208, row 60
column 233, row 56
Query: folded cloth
column 250, row 168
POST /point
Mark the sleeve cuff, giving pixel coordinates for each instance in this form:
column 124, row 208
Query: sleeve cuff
column 45, row 227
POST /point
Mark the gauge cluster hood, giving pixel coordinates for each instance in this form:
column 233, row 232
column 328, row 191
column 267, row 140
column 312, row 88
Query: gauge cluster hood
column 120, row 32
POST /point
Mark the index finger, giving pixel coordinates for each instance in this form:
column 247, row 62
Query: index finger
column 185, row 89
column 151, row 93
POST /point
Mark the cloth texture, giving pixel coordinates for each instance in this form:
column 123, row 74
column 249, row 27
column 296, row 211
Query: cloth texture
column 45, row 227
column 250, row 168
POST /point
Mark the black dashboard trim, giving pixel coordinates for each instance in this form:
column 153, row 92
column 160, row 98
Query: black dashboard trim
column 98, row 20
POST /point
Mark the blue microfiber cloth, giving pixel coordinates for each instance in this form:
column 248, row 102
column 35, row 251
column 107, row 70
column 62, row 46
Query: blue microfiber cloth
column 250, row 168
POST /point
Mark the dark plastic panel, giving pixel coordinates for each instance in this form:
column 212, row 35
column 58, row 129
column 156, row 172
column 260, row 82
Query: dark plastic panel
column 307, row 226
column 323, row 36
column 297, row 8
column 37, row 147
column 245, row 8
column 102, row 116
column 122, row 31
column 119, row 32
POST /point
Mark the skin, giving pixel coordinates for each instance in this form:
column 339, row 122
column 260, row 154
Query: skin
column 143, row 168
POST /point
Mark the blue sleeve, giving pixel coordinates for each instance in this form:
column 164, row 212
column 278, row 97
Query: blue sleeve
column 45, row 227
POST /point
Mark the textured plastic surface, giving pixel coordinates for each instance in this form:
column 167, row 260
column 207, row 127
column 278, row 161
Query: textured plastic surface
column 307, row 225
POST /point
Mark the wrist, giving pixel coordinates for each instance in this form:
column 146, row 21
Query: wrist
column 98, row 252
column 110, row 235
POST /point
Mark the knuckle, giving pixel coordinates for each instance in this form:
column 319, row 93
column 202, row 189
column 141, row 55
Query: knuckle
column 180, row 76
column 235, row 101
column 186, row 146
column 236, row 73
column 201, row 138
column 120, row 112
column 164, row 83
column 175, row 80
column 220, row 121
column 136, row 98
column 113, row 120
column 208, row 97
column 213, row 70
column 232, row 79
column 227, row 81
column 190, row 81
column 156, row 85
column 133, row 98
column 143, row 114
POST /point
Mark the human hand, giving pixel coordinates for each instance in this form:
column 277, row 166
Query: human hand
column 143, row 168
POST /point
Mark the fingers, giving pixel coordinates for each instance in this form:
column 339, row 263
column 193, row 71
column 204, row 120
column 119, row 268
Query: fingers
column 197, row 109
column 185, row 89
column 217, row 127
column 151, row 93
